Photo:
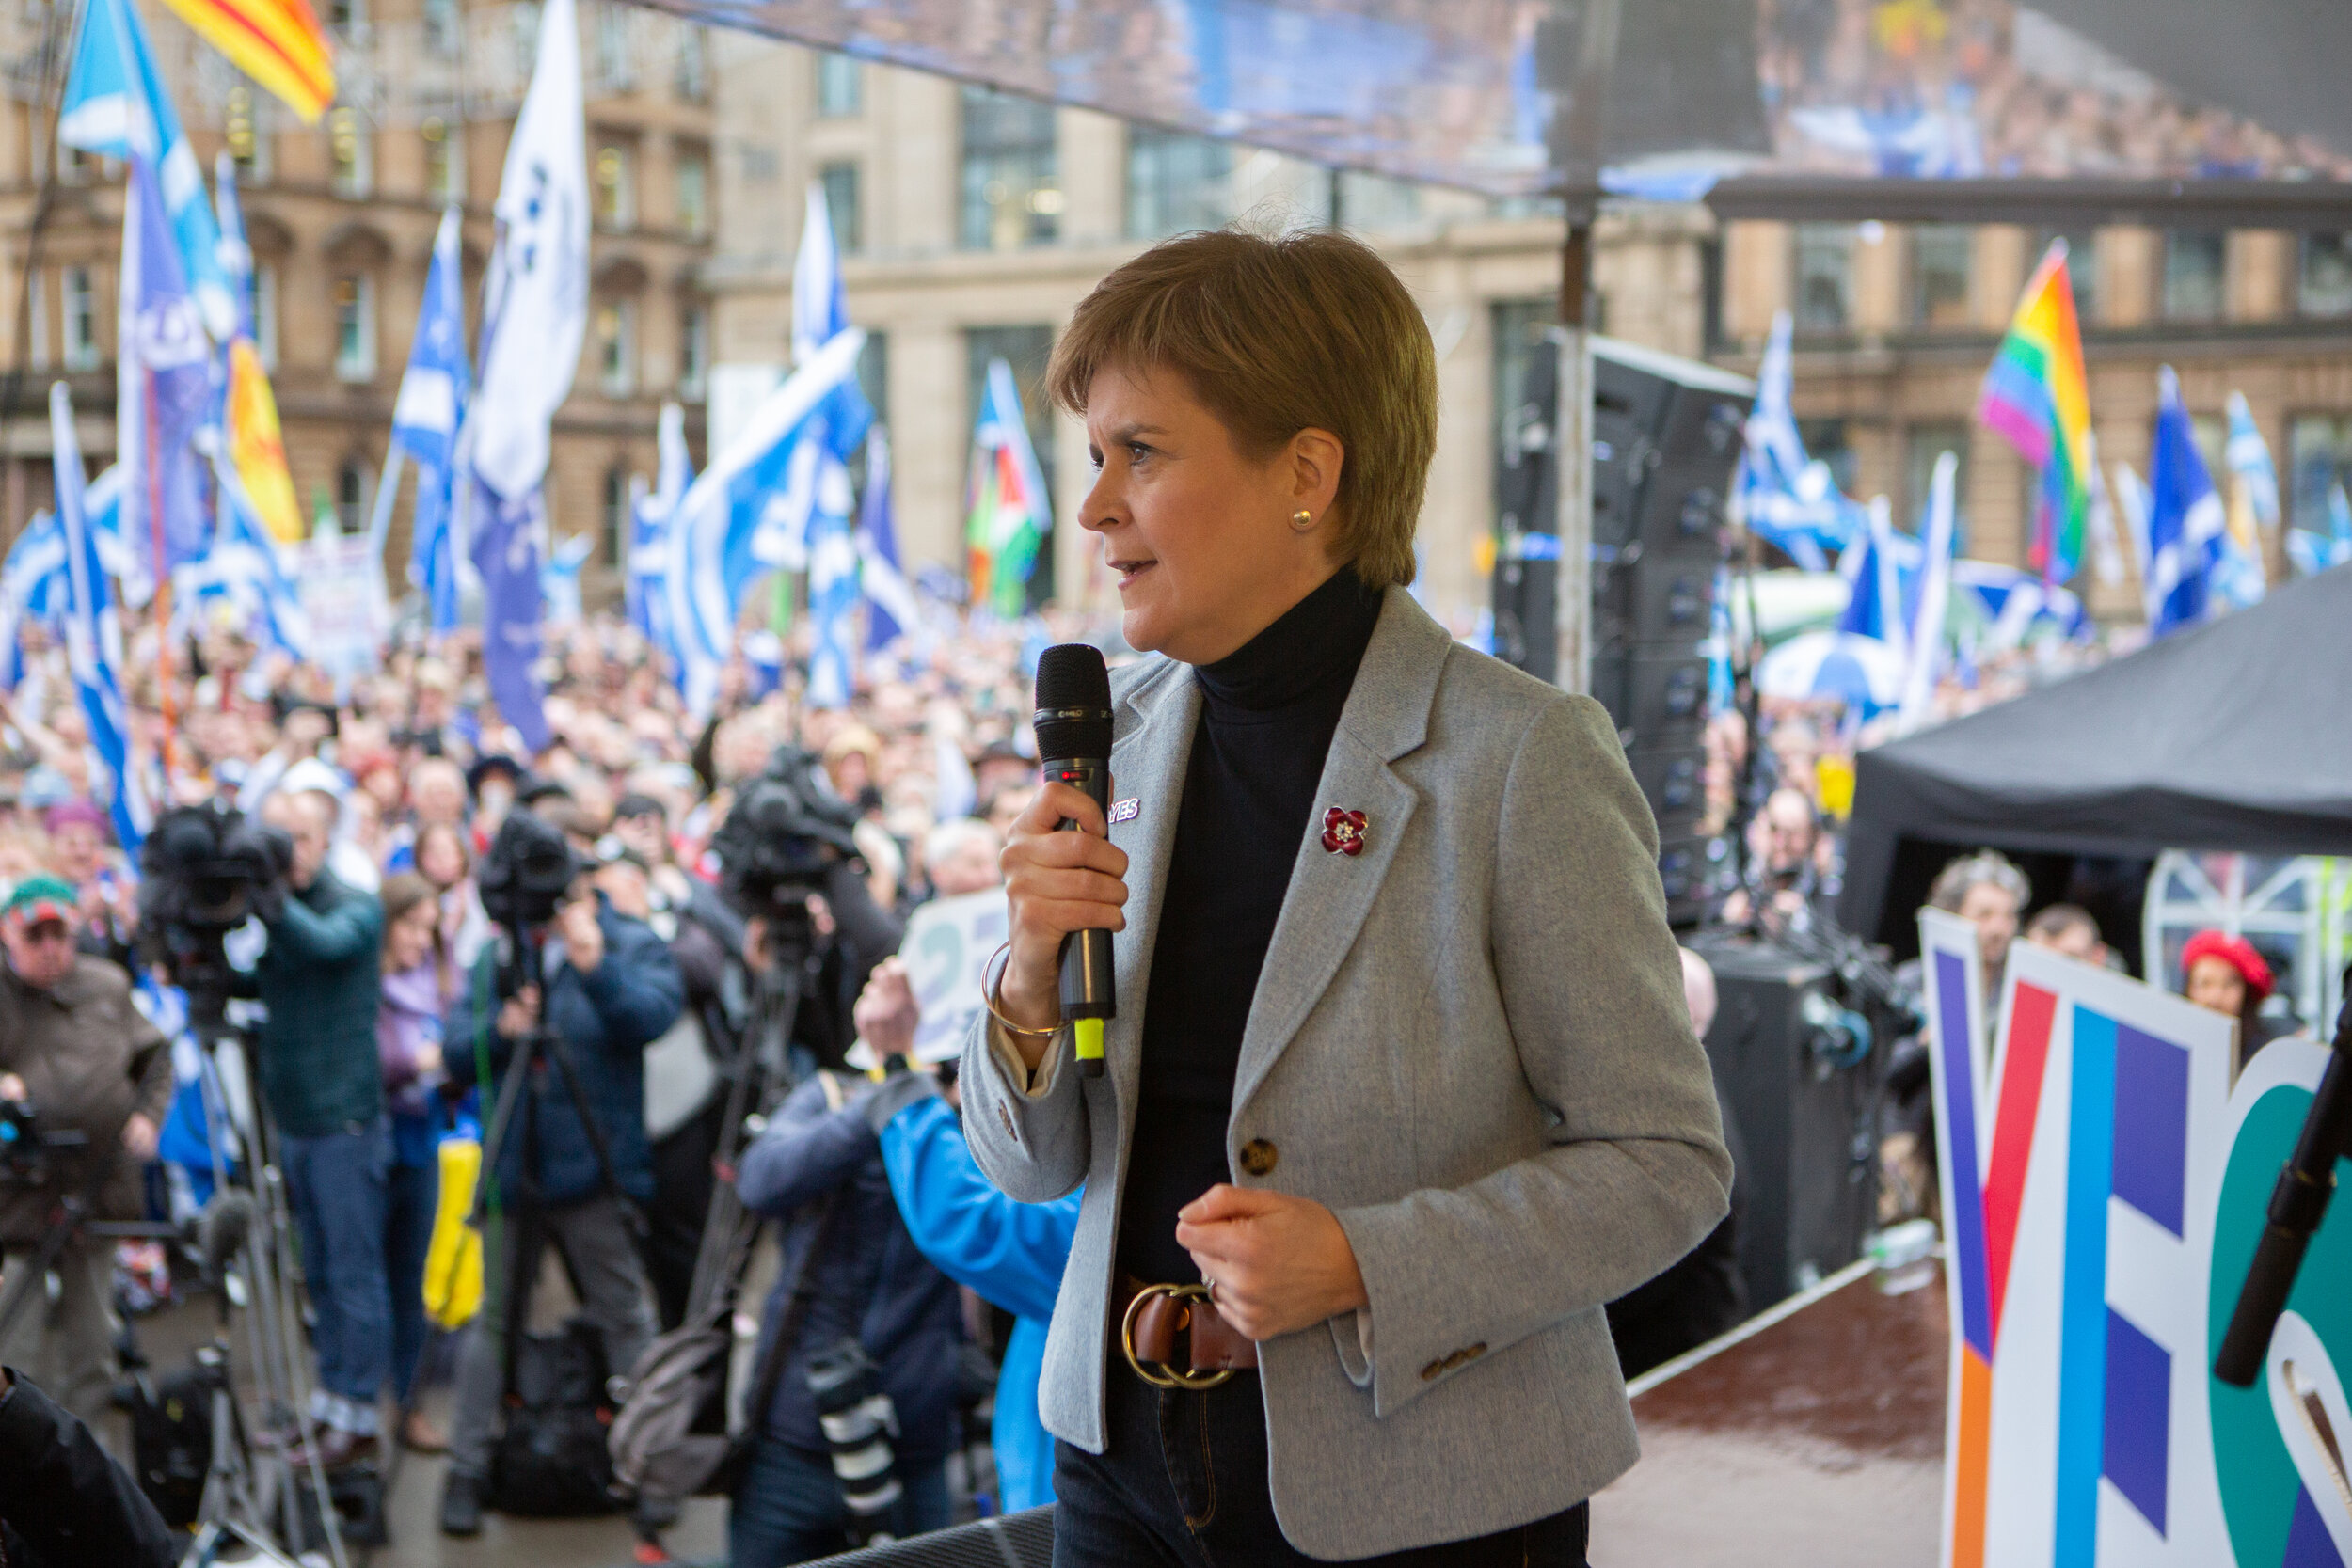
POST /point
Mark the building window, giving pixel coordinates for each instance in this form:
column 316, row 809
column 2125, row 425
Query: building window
column 241, row 129
column 616, row 347
column 842, row 207
column 81, row 320
column 263, row 281
column 444, row 160
column 693, row 193
column 344, row 16
column 444, row 29
column 839, row 92
column 1922, row 445
column 616, row 67
column 1372, row 202
column 1024, row 349
column 354, row 328
column 351, row 495
column 873, row 373
column 2195, row 264
column 2324, row 276
column 1824, row 276
column 1011, row 172
column 694, row 353
column 615, row 197
column 74, row 166
column 615, row 516
column 2082, row 268
column 1176, row 183
column 36, row 312
column 2319, row 453
column 1939, row 276
column 693, row 65
column 349, row 145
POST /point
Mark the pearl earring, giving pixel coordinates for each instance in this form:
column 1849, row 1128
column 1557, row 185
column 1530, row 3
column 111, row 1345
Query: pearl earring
column 1302, row 521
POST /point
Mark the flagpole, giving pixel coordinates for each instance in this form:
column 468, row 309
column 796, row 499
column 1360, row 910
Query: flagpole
column 166, row 702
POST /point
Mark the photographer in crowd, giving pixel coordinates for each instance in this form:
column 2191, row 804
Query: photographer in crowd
column 319, row 978
column 64, row 1502
column 75, row 1050
column 610, row 988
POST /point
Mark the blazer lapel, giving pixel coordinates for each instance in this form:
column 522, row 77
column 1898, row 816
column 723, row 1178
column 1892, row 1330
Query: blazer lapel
column 1387, row 716
column 1154, row 725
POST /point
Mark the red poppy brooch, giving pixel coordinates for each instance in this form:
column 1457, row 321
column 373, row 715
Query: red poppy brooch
column 1344, row 831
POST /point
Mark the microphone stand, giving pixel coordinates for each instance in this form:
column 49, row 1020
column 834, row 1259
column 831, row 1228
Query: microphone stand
column 2298, row 1205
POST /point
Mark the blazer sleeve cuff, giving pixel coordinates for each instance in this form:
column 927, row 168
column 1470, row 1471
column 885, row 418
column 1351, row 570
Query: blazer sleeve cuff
column 1017, row 1077
column 1428, row 1332
column 1351, row 1336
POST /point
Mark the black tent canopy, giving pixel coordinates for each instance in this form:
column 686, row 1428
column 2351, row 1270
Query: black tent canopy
column 2237, row 736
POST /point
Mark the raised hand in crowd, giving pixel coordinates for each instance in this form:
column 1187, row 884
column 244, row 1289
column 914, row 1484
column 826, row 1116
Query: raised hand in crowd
column 887, row 1013
column 583, row 938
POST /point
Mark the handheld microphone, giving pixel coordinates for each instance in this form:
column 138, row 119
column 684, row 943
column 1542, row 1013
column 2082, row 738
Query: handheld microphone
column 1073, row 742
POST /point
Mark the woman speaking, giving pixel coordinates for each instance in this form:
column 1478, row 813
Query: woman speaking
column 1401, row 1088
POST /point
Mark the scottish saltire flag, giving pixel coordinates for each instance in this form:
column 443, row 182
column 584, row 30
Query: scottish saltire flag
column 257, row 443
column 2243, row 575
column 162, row 387
column 116, row 103
column 245, row 569
column 708, row 556
column 1923, row 635
column 2037, row 397
column 2317, row 552
column 1008, row 514
column 821, row 308
column 648, row 514
column 425, row 416
column 32, row 590
column 833, row 592
column 503, row 545
column 2013, row 603
column 94, row 635
column 1878, row 575
column 820, row 313
column 1786, row 499
column 891, row 611
column 536, row 297
column 2184, row 519
column 2077, row 1156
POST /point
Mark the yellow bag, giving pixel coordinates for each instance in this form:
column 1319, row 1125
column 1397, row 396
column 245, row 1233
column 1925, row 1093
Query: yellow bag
column 453, row 1261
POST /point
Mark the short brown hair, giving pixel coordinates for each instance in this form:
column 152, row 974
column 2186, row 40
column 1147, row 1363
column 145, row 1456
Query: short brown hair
column 1276, row 336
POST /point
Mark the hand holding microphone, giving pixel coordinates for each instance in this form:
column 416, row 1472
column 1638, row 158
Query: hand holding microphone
column 1066, row 889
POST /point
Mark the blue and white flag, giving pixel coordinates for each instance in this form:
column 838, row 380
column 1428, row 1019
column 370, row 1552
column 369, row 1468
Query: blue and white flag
column 1784, row 499
column 2014, row 602
column 245, row 569
column 2184, row 518
column 424, row 421
column 1928, row 601
column 2312, row 553
column 1880, row 572
column 32, row 590
column 505, row 550
column 649, row 514
column 832, row 589
column 116, row 104
column 2242, row 574
column 820, row 309
column 164, row 374
column 94, row 635
column 708, row 559
column 536, row 297
column 891, row 611
column 559, row 579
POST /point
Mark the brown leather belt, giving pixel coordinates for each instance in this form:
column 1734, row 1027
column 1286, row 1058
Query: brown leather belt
column 1152, row 1316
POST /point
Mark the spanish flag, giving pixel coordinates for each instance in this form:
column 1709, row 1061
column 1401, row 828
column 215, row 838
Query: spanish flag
column 279, row 43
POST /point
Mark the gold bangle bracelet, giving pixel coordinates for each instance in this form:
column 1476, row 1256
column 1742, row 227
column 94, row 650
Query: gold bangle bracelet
column 995, row 1004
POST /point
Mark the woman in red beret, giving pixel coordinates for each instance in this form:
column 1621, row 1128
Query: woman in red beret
column 2226, row 974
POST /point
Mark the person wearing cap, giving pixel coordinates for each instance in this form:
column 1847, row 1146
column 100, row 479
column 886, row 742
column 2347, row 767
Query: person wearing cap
column 319, row 978
column 73, row 1046
column 106, row 913
column 2226, row 974
column 610, row 988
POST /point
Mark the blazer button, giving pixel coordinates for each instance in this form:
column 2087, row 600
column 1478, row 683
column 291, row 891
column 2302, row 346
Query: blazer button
column 1258, row 1157
column 1429, row 1373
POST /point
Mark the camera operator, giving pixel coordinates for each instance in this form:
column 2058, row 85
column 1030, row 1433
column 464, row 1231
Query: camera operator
column 610, row 988
column 74, row 1048
column 818, row 1166
column 319, row 978
column 64, row 1502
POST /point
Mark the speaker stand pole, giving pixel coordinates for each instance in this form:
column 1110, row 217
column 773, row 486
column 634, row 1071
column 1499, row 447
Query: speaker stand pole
column 1579, row 154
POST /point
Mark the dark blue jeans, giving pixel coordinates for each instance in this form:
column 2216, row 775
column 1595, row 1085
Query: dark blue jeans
column 789, row 1509
column 410, row 1193
column 338, row 1184
column 1183, row 1483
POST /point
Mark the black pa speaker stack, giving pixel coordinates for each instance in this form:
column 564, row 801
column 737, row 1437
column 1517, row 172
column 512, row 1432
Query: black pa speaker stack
column 1666, row 436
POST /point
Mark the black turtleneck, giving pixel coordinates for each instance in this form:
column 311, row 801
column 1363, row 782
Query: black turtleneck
column 1267, row 714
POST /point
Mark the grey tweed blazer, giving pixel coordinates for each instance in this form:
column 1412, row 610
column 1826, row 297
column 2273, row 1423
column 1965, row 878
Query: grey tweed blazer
column 1470, row 1043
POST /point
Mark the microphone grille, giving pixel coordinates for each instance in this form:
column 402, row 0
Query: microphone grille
column 1072, row 675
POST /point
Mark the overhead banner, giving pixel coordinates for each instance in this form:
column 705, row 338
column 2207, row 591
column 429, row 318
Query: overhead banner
column 2104, row 1187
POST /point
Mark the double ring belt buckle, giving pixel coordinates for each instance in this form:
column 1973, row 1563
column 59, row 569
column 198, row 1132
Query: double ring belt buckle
column 1159, row 1374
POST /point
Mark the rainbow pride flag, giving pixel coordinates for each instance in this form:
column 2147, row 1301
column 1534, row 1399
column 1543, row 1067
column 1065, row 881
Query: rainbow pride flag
column 2037, row 397
column 1008, row 514
column 279, row 43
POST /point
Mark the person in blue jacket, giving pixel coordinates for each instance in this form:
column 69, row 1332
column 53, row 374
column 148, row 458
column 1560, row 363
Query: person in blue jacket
column 1010, row 1253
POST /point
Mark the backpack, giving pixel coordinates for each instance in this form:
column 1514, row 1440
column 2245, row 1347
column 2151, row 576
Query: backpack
column 551, row 1461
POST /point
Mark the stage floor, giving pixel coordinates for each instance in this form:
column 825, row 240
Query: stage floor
column 1813, row 1436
